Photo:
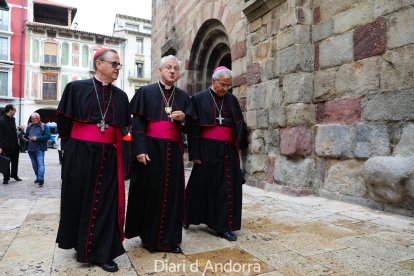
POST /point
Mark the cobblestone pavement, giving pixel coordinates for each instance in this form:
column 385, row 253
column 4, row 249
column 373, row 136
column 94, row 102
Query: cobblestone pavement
column 281, row 235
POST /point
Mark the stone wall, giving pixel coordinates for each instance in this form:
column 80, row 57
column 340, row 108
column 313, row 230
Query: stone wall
column 325, row 85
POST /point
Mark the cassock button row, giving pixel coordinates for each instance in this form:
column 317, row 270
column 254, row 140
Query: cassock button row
column 94, row 209
column 90, row 242
column 96, row 200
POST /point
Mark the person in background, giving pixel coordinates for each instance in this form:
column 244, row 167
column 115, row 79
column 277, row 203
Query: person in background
column 156, row 194
column 59, row 147
column 37, row 133
column 214, row 190
column 91, row 116
column 22, row 139
column 9, row 144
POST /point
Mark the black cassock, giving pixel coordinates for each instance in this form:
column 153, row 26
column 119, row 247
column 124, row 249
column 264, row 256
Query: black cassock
column 156, row 194
column 214, row 190
column 91, row 202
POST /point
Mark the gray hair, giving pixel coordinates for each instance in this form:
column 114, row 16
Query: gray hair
column 35, row 114
column 164, row 60
column 226, row 73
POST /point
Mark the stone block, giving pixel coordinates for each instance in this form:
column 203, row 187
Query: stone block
column 358, row 15
column 262, row 50
column 272, row 139
column 322, row 30
column 251, row 119
column 336, row 141
column 295, row 58
column 256, row 163
column 336, row 50
column 330, row 8
column 370, row 39
column 359, row 78
column 262, row 118
column 401, row 30
column 256, row 97
column 298, row 88
column 372, row 140
column 346, row 178
column 294, row 172
column 239, row 80
column 390, row 180
column 405, row 146
column 274, row 94
column 253, row 74
column 316, row 15
column 239, row 50
column 289, row 18
column 391, row 106
column 397, row 69
column 255, row 25
column 324, row 85
column 296, row 141
column 316, row 55
column 270, row 168
column 268, row 71
column 257, row 144
column 277, row 116
column 305, row 15
column 383, row 7
column 298, row 34
column 347, row 111
column 300, row 114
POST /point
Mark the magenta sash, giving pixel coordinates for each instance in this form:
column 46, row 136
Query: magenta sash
column 217, row 133
column 163, row 130
column 112, row 135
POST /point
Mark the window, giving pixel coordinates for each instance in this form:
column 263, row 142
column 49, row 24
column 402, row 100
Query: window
column 4, row 20
column 139, row 69
column 50, row 54
column 35, row 51
column 132, row 27
column 4, row 48
column 75, row 54
column 147, row 29
column 140, row 45
column 34, row 91
column 4, row 83
column 49, row 86
column 65, row 54
column 85, row 56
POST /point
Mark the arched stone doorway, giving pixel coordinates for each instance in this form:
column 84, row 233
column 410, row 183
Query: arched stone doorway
column 210, row 49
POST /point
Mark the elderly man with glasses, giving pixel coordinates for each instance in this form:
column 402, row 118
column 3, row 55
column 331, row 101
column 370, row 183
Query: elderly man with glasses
column 214, row 190
column 156, row 194
column 91, row 115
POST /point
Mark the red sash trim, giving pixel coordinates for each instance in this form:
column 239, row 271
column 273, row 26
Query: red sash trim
column 163, row 130
column 217, row 133
column 112, row 135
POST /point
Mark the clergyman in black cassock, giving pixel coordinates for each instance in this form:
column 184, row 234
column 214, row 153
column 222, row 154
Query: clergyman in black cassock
column 214, row 190
column 91, row 115
column 156, row 194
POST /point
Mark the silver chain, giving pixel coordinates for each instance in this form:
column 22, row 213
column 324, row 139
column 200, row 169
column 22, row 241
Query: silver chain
column 99, row 104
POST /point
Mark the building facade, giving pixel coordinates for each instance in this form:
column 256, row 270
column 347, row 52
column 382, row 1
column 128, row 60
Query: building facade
column 57, row 54
column 12, row 52
column 137, row 51
column 327, row 88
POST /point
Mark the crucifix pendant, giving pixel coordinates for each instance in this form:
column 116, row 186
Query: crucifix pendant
column 102, row 125
column 220, row 119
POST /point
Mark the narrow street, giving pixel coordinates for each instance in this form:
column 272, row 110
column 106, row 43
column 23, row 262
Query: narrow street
column 281, row 235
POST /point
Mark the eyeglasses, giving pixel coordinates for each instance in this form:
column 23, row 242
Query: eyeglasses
column 114, row 64
column 225, row 85
column 169, row 68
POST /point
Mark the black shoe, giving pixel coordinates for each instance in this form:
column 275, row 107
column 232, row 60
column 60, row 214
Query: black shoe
column 40, row 183
column 5, row 182
column 177, row 250
column 36, row 181
column 109, row 267
column 228, row 236
column 17, row 178
column 186, row 226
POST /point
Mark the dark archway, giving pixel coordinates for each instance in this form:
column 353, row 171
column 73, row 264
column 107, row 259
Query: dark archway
column 210, row 49
column 46, row 115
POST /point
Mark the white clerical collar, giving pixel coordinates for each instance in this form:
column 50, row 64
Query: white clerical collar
column 166, row 86
column 103, row 83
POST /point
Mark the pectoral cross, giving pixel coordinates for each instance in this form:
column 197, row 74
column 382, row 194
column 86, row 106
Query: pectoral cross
column 102, row 125
column 220, row 119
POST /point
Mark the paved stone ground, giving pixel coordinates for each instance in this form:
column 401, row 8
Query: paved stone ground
column 281, row 235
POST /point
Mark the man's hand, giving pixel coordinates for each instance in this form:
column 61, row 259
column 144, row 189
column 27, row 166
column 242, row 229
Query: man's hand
column 33, row 138
column 1, row 150
column 178, row 116
column 196, row 161
column 143, row 158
